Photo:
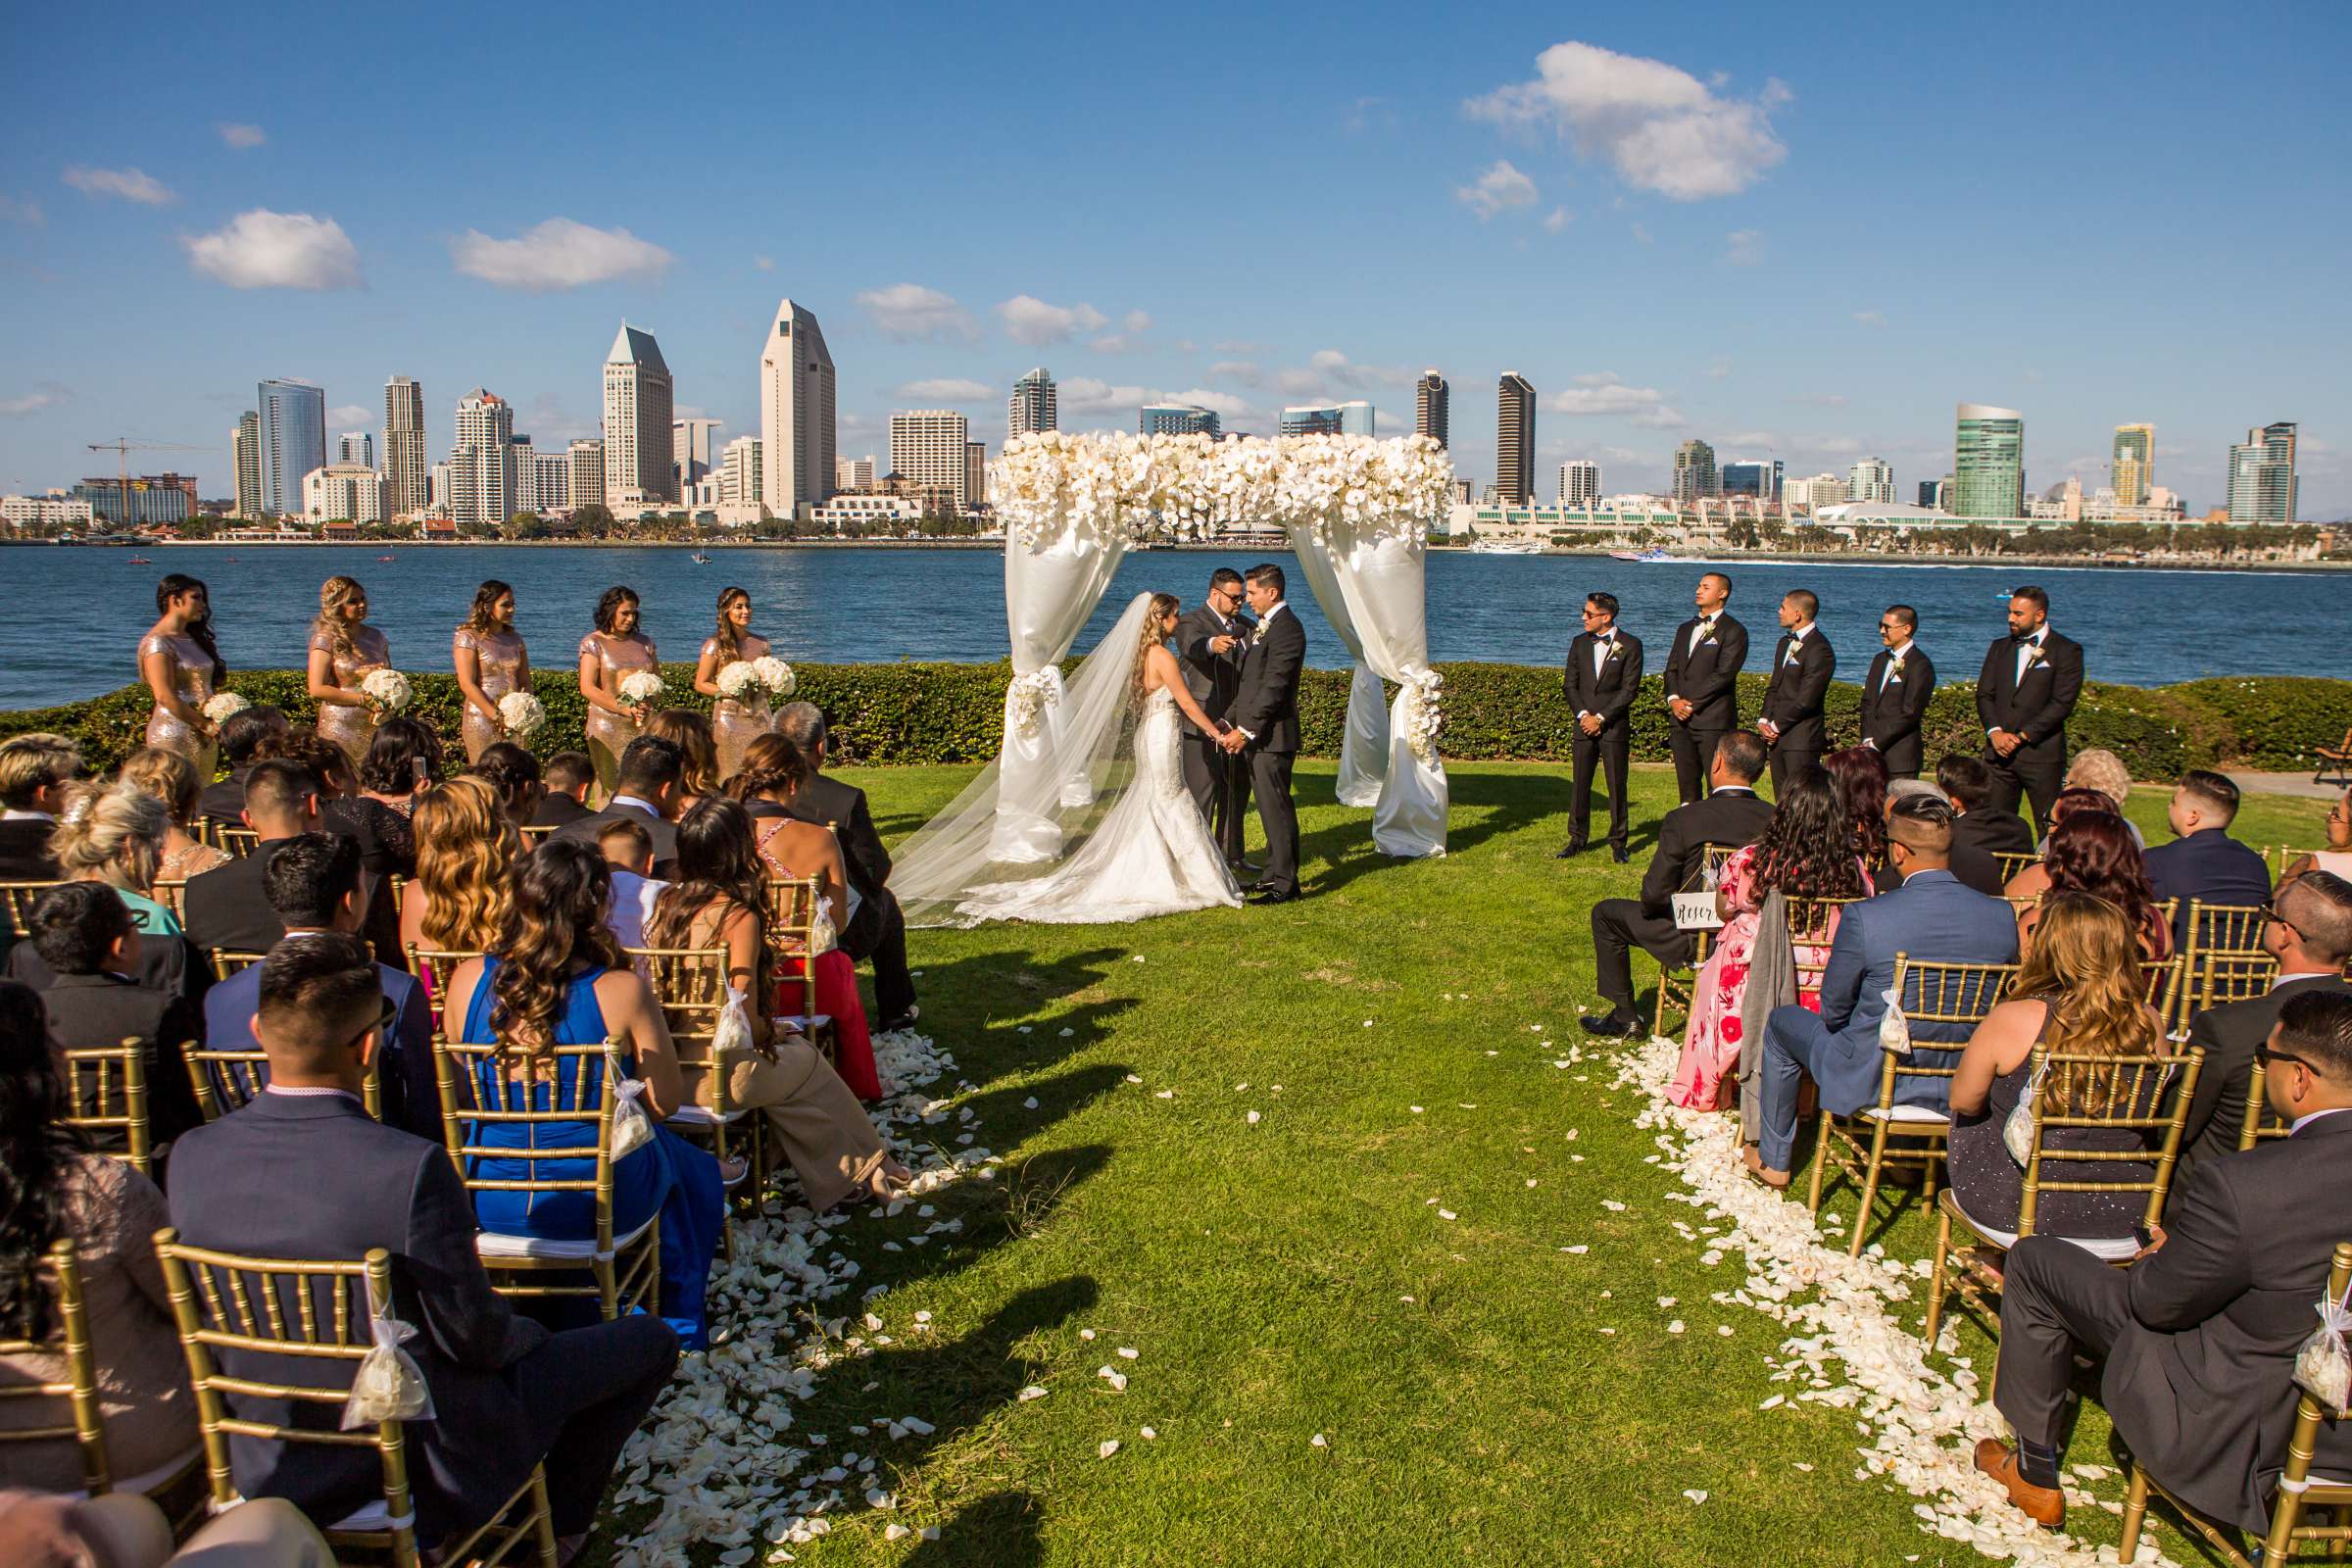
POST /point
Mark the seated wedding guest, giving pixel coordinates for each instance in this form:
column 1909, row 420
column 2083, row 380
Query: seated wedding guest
column 719, row 899
column 304, row 1172
column 2089, row 851
column 2310, row 933
column 166, row 966
column 2337, row 858
column 171, row 779
column 59, row 1190
column 1730, row 814
column 2101, row 770
column 690, row 732
column 242, row 735
column 773, row 775
column 1929, row 917
column 567, row 776
column 462, row 899
column 1860, row 774
column 314, row 885
column 90, row 979
column 647, row 791
column 875, row 932
column 34, row 770
column 562, row 981
column 317, row 755
column 2078, row 993
column 2032, row 880
column 2203, row 861
column 403, row 761
column 229, row 907
column 628, row 852
column 515, row 774
column 1973, row 791
column 114, row 834
column 1806, row 852
column 127, row 1530
column 1974, row 868
column 2200, row 1334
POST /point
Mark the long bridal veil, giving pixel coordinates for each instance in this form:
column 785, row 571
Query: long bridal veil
column 1027, row 813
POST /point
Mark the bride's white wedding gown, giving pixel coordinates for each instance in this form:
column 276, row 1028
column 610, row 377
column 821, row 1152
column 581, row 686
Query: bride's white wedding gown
column 1151, row 855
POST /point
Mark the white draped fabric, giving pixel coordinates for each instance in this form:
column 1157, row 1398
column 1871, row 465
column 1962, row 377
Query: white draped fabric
column 1049, row 591
column 1364, row 739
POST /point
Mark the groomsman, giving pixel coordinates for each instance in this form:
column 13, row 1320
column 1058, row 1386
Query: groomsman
column 2025, row 694
column 1604, row 669
column 1896, row 693
column 1702, row 684
column 1801, row 666
column 1209, row 644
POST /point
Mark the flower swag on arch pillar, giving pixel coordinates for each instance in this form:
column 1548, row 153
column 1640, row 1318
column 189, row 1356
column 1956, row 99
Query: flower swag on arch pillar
column 1357, row 511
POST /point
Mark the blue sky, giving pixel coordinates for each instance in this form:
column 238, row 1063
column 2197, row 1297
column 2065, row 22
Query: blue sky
column 1802, row 232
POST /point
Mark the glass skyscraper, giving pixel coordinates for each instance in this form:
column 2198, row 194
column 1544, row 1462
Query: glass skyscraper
column 293, row 443
column 1988, row 469
column 1327, row 418
column 2262, row 475
column 1180, row 419
column 1431, row 407
column 1515, row 440
column 1760, row 478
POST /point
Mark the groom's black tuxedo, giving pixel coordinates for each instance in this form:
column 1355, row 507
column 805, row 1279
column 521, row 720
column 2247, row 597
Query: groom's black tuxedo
column 1219, row 782
column 1266, row 709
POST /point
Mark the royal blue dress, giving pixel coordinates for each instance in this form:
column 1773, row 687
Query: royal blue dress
column 667, row 1175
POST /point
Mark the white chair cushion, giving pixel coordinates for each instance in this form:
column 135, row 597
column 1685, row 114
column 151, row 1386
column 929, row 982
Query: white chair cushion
column 1920, row 1114
column 495, row 1244
column 162, row 1475
column 375, row 1518
column 704, row 1116
column 806, row 1023
column 2113, row 1250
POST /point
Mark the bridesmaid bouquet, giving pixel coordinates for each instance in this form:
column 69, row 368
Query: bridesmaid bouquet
column 522, row 714
column 775, row 674
column 640, row 689
column 387, row 689
column 224, row 705
column 736, row 679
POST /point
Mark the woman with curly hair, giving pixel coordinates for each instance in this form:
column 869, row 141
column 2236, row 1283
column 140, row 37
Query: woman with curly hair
column 690, row 732
column 2033, row 880
column 171, row 779
column 1807, row 852
column 735, row 721
column 180, row 662
column 615, row 650
column 1860, row 774
column 491, row 662
column 344, row 652
column 114, row 834
column 462, row 896
column 2091, row 851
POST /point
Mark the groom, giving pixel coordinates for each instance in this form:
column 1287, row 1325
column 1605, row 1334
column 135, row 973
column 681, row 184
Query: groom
column 1265, row 722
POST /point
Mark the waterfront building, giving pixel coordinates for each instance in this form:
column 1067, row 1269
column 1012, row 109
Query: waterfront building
column 1988, row 464
column 1870, row 480
column 796, row 412
column 352, row 492
column 1326, row 418
column 144, row 500
column 1761, row 477
column 436, row 489
column 853, row 474
column 587, row 460
column 1930, row 494
column 2135, row 468
column 293, row 441
column 1694, row 471
column 245, row 462
column 56, row 509
column 638, row 421
column 861, row 514
column 543, row 480
column 1515, row 440
column 740, row 476
column 1165, row 418
column 930, row 448
column 689, row 449
column 406, row 465
column 975, row 475
column 1822, row 490
column 2262, row 475
column 1580, row 482
column 355, row 446
column 1431, row 407
column 1034, row 406
column 483, row 485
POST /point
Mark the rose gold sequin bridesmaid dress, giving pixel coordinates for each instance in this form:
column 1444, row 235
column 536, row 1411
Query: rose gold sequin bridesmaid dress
column 609, row 734
column 352, row 728
column 192, row 683
column 736, row 723
column 500, row 656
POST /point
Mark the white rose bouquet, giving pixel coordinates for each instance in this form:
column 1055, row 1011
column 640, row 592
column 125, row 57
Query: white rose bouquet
column 736, row 679
column 640, row 689
column 387, row 690
column 522, row 714
column 776, row 675
column 224, row 705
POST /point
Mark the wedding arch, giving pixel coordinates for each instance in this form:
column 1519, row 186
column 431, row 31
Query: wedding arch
column 1357, row 511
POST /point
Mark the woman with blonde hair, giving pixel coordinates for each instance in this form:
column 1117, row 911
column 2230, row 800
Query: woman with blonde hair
column 2101, row 770
column 344, row 652
column 114, row 834
column 735, row 721
column 2080, row 994
column 170, row 779
column 690, row 732
column 462, row 896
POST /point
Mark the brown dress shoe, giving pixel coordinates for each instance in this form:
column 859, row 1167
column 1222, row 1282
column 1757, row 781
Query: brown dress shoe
column 2044, row 1505
column 1777, row 1180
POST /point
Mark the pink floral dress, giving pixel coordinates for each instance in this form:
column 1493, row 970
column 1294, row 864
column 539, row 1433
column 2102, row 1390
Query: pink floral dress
column 1711, row 1043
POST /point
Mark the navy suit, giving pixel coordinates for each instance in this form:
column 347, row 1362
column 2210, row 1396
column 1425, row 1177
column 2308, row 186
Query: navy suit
column 1931, row 916
column 2211, row 867
column 410, row 1096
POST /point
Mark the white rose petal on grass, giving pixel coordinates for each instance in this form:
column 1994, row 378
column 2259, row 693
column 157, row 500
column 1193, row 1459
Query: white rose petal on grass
column 1129, row 1352
column 1696, row 1495
column 1775, row 1403
column 1086, row 1333
column 1030, row 1103
column 1675, row 1326
column 1032, row 1392
column 1253, row 1118
column 1106, row 1449
column 1579, row 1249
column 895, row 1533
column 1612, row 1205
column 1133, row 1079
column 1165, row 1094
column 1723, row 1330
column 1117, row 1380
column 1317, row 1442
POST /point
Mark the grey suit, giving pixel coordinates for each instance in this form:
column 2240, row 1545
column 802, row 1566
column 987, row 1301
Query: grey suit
column 2227, row 1036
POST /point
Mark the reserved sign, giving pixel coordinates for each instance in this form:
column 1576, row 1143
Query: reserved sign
column 1695, row 911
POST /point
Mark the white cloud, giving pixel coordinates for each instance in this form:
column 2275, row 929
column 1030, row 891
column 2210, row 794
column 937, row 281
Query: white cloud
column 1661, row 128
column 1743, row 247
column 1082, row 394
column 947, row 389
column 1246, row 372
column 131, row 184
column 45, row 396
column 909, row 311
column 1605, row 396
column 1843, row 446
column 1240, row 346
column 1113, row 343
column 557, row 253
column 349, row 415
column 766, row 264
column 1224, row 403
column 1559, row 218
column 1757, row 438
column 1500, row 189
column 241, row 137
column 1136, row 321
column 28, row 212
column 1871, row 319
column 1718, row 370
column 1030, row 319
column 263, row 249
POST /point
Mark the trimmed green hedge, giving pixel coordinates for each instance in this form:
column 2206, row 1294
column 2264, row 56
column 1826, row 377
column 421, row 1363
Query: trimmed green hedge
column 914, row 712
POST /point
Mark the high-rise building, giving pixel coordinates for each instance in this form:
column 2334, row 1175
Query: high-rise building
column 931, row 449
column 853, row 474
column 1034, row 406
column 1822, row 490
column 975, row 473
column 740, row 479
column 1580, row 482
column 355, row 446
column 1930, row 494
column 1515, row 440
column 1988, row 463
column 1760, row 478
column 638, row 421
column 245, row 462
column 2262, row 476
column 1871, row 480
column 405, row 459
column 352, row 492
column 483, row 485
column 1431, row 401
column 293, row 442
column 144, row 500
column 2134, row 464
column 689, row 449
column 796, row 412
column 1327, row 418
column 1179, row 419
column 542, row 479
column 587, row 460
column 1694, row 471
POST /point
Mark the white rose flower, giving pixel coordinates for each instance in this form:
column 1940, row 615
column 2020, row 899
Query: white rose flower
column 775, row 674
column 638, row 689
column 736, row 679
column 388, row 689
column 522, row 714
column 224, row 705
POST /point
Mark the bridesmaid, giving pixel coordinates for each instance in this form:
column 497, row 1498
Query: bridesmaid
column 181, row 665
column 491, row 662
column 344, row 649
column 612, row 651
column 734, row 723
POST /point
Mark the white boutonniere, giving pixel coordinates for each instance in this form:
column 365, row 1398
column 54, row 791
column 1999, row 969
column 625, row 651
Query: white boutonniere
column 1611, row 646
column 2034, row 655
column 1894, row 667
column 1257, row 634
column 1795, row 653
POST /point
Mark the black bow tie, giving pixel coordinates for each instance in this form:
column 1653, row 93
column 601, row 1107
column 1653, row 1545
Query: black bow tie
column 2033, row 637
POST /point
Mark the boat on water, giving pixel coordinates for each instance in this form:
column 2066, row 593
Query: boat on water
column 139, row 560
column 1641, row 557
column 384, row 558
column 1505, row 547
column 699, row 559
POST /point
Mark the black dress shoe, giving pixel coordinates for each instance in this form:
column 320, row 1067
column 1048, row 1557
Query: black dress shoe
column 1275, row 896
column 1246, row 868
column 1617, row 853
column 1570, row 850
column 1614, row 1025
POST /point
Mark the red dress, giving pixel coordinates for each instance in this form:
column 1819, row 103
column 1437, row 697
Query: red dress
column 836, row 996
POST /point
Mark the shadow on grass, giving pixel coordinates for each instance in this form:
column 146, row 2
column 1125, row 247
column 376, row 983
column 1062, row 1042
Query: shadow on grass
column 999, row 1531
column 1485, row 806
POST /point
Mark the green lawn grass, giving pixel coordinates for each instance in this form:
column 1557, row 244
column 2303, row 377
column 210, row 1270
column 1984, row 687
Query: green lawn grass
column 1294, row 1277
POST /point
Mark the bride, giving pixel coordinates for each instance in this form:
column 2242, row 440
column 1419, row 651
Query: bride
column 1106, row 775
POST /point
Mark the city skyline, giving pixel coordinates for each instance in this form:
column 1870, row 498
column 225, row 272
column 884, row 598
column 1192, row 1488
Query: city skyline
column 1649, row 297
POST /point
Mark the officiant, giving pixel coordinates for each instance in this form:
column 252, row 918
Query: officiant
column 1210, row 643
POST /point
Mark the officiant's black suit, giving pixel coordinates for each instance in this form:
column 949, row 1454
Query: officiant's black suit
column 1792, row 700
column 1266, row 706
column 2036, row 707
column 1891, row 710
column 1219, row 782
column 1608, row 694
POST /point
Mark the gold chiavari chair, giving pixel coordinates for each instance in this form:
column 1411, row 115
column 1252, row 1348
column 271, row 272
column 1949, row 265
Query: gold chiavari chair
column 1812, row 928
column 86, row 1426
column 229, row 1306
column 226, row 961
column 625, row 1270
column 2295, row 1492
column 792, row 916
column 2146, row 1094
column 237, row 841
column 2260, row 1124
column 1674, row 984
column 691, row 985
column 535, row 834
column 106, row 1095
column 173, row 894
column 2289, row 855
column 433, row 967
column 2011, row 861
column 227, row 1080
column 1893, row 1132
column 18, row 897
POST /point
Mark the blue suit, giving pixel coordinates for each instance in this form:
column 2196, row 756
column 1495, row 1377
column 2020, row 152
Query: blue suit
column 1932, row 916
column 412, row 1099
column 2211, row 867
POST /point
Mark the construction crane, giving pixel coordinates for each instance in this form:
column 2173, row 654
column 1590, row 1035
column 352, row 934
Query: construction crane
column 123, row 447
